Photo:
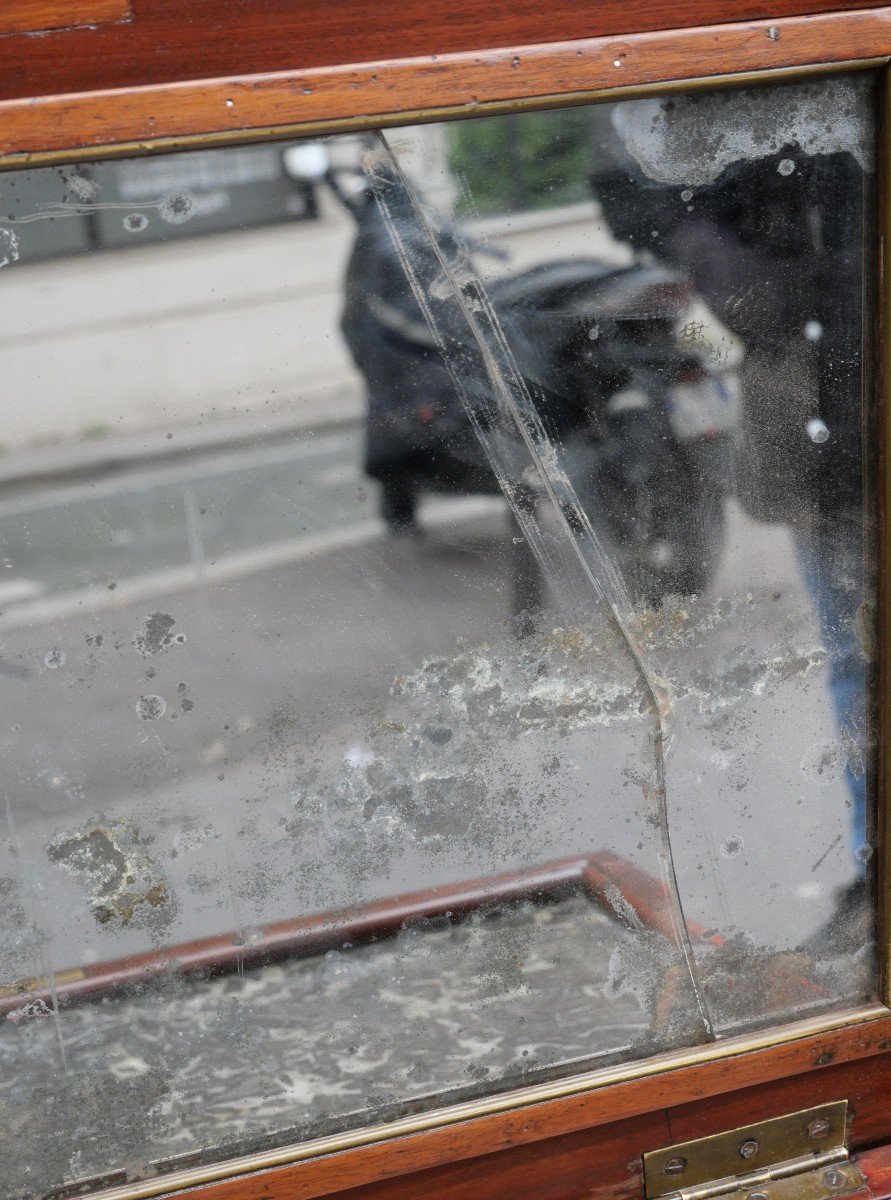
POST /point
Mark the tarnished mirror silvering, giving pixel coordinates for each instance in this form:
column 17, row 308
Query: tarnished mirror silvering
column 436, row 616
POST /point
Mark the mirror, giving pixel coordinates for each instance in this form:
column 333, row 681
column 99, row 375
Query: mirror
column 437, row 616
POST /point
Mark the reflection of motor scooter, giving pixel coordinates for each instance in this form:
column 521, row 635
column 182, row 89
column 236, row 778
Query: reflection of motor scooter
column 641, row 424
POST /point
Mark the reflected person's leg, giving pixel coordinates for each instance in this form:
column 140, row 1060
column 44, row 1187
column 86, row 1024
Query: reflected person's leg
column 831, row 559
column 399, row 504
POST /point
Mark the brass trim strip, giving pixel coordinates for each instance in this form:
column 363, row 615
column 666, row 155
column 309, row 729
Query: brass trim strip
column 18, row 160
column 575, row 1085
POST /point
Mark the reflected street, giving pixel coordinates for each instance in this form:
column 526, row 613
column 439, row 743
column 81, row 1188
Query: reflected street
column 253, row 577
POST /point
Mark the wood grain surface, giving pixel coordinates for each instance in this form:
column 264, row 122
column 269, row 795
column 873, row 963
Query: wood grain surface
column 240, row 107
column 172, row 40
column 876, row 1166
column 31, row 16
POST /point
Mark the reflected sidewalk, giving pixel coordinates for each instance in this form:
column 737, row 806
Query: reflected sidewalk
column 88, row 457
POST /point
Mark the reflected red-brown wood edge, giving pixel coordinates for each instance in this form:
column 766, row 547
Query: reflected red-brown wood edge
column 590, row 1145
column 243, row 105
column 618, row 886
column 171, row 40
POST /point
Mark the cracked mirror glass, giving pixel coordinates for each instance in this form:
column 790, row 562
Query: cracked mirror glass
column 437, row 577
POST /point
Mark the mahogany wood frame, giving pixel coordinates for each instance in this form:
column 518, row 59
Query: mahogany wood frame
column 588, row 1140
column 37, row 16
column 587, row 1143
column 241, row 107
column 167, row 41
column 876, row 1166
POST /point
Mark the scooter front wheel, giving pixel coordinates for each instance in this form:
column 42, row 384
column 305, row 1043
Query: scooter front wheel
column 683, row 553
column 667, row 533
column 398, row 506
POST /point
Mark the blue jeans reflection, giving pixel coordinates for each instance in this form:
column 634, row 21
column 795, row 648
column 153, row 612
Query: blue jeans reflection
column 831, row 561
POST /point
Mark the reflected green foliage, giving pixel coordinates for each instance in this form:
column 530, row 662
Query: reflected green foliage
column 524, row 161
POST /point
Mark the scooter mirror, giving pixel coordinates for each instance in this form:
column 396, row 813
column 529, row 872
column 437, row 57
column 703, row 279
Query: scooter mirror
column 307, row 161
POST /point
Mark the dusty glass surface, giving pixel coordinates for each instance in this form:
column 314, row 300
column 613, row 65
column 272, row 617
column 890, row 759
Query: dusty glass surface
column 436, row 613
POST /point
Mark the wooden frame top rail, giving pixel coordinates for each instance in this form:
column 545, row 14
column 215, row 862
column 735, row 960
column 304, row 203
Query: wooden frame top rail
column 242, row 107
column 165, row 41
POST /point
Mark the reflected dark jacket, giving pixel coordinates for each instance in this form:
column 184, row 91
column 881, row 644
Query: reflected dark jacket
column 775, row 256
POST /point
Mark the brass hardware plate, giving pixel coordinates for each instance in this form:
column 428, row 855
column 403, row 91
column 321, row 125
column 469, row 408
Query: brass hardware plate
column 801, row 1156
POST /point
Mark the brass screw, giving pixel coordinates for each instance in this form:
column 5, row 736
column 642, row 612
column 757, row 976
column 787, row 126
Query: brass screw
column 819, row 1128
column 833, row 1178
column 675, row 1166
column 749, row 1148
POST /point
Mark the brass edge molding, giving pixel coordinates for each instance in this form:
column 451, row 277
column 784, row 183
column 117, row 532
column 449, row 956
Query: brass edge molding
column 439, row 1118
column 28, row 160
column 45, row 129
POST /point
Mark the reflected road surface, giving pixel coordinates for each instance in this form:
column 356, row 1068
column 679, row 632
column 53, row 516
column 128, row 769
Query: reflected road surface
column 275, row 573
